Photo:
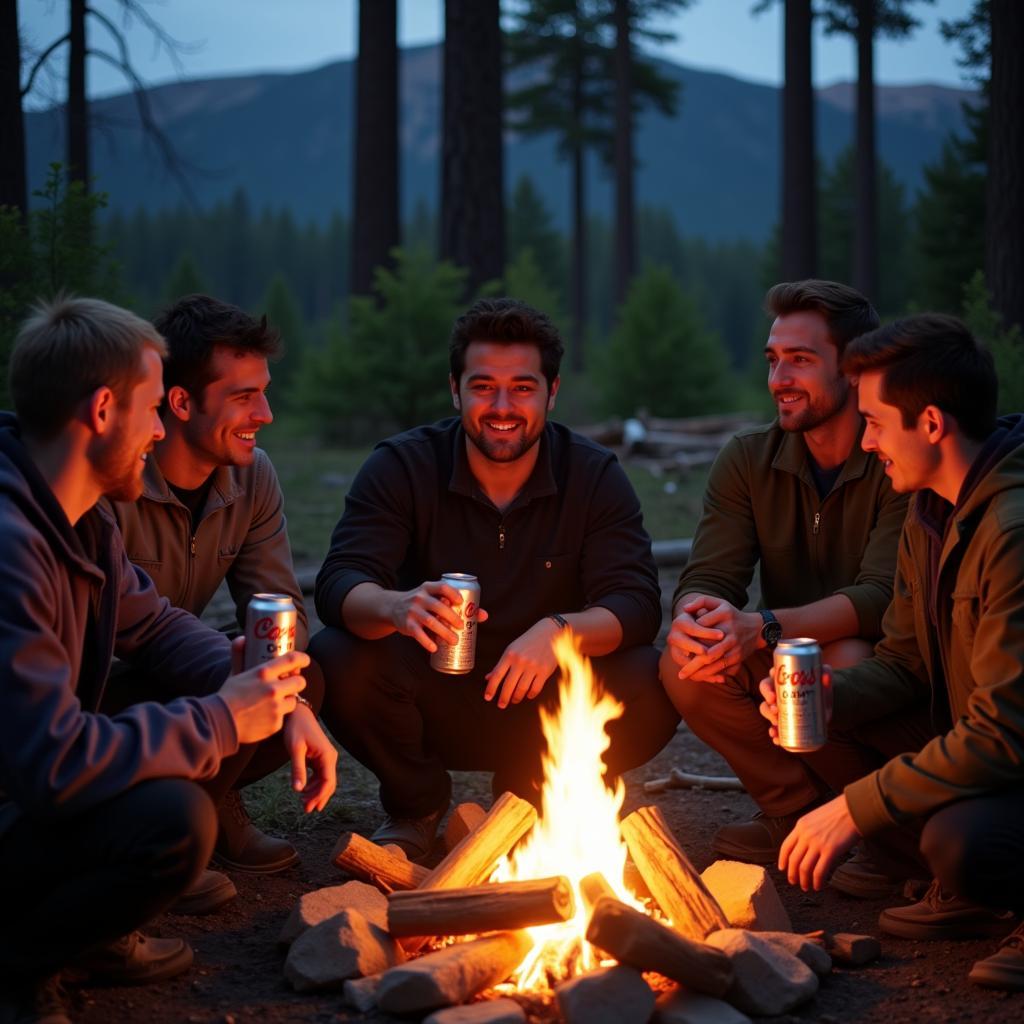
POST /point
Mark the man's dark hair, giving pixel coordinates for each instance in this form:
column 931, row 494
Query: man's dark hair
column 931, row 359
column 66, row 350
column 847, row 313
column 197, row 324
column 507, row 322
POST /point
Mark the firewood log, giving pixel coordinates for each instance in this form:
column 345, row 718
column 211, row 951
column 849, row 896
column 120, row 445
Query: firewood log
column 672, row 879
column 359, row 857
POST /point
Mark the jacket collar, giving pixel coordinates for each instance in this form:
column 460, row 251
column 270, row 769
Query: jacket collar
column 793, row 457
column 541, row 482
column 227, row 486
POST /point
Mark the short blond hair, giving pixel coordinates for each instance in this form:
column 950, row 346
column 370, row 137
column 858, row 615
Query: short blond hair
column 69, row 347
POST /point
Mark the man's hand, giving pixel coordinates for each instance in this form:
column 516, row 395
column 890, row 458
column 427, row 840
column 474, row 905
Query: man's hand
column 739, row 632
column 307, row 745
column 769, row 707
column 427, row 609
column 818, row 842
column 260, row 697
column 524, row 666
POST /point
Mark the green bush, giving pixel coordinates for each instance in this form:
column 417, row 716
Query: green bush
column 1006, row 346
column 661, row 357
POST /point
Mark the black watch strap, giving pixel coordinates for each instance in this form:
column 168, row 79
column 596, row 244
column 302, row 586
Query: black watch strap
column 771, row 630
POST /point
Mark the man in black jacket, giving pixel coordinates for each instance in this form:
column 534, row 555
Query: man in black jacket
column 103, row 822
column 549, row 524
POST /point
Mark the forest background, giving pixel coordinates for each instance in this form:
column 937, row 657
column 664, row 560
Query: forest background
column 543, row 149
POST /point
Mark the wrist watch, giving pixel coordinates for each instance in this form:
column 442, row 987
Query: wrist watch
column 771, row 631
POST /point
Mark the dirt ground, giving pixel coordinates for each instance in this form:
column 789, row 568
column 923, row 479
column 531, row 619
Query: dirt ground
column 237, row 975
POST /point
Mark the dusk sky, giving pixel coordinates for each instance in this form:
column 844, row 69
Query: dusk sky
column 236, row 36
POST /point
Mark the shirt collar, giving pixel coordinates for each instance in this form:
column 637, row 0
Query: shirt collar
column 540, row 484
column 793, row 457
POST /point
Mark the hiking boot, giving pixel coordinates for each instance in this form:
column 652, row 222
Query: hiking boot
column 864, row 878
column 134, row 959
column 241, row 846
column 940, row 916
column 1005, row 967
column 756, row 841
column 209, row 892
column 413, row 835
column 42, row 1001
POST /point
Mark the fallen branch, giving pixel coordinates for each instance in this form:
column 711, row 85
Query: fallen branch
column 678, row 779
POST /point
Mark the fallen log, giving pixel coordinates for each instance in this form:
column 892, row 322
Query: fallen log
column 453, row 974
column 678, row 779
column 505, row 906
column 359, row 857
column 674, row 882
column 473, row 860
column 593, row 888
column 641, row 942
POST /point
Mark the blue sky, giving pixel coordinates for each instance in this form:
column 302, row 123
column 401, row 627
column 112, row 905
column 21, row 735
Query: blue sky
column 236, row 36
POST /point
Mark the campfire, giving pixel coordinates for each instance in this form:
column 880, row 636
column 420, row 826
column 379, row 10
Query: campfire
column 538, row 907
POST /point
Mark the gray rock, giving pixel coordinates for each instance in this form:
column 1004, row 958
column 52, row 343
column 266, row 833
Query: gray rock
column 769, row 980
column 321, row 904
column 342, row 947
column 803, row 949
column 747, row 896
column 491, row 1011
column 683, row 1007
column 361, row 993
column 611, row 995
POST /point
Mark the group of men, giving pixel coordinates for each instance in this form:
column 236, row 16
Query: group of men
column 131, row 488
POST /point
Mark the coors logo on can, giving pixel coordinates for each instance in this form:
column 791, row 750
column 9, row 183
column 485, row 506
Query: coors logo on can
column 799, row 696
column 458, row 658
column 269, row 628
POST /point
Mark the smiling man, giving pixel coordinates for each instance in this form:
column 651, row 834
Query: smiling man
column 801, row 502
column 549, row 524
column 212, row 510
column 954, row 637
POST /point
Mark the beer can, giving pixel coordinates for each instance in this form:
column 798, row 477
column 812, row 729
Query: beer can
column 458, row 658
column 270, row 622
column 798, row 692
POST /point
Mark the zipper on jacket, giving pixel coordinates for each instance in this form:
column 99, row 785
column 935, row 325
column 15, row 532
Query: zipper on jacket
column 817, row 522
column 192, row 545
column 501, row 536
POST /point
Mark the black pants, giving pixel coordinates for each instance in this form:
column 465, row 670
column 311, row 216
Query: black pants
column 409, row 724
column 250, row 763
column 71, row 884
column 975, row 849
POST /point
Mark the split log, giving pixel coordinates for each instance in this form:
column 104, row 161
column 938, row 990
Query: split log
column 359, row 857
column 473, row 860
column 674, row 882
column 678, row 779
column 641, row 942
column 853, row 950
column 505, row 906
column 453, row 974
column 595, row 887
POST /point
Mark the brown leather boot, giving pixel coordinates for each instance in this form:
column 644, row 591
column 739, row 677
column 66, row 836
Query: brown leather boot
column 756, row 841
column 134, row 959
column 241, row 846
column 209, row 892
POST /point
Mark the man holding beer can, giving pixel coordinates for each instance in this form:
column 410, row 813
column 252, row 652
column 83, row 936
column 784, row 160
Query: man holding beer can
column 954, row 637
column 799, row 502
column 545, row 523
column 212, row 511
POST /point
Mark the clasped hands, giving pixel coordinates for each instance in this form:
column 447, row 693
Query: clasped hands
column 710, row 638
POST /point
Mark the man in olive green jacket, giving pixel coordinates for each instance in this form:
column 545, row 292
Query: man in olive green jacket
column 954, row 634
column 800, row 501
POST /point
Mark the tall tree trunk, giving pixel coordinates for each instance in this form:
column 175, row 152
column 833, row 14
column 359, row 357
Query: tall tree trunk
column 578, row 277
column 865, row 224
column 78, row 106
column 472, row 182
column 375, row 210
column 625, row 229
column 13, row 189
column 1004, row 218
column 799, row 185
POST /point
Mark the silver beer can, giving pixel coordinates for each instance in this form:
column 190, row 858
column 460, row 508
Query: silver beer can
column 458, row 658
column 270, row 622
column 798, row 692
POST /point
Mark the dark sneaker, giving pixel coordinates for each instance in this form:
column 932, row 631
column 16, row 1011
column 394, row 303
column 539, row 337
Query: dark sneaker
column 939, row 916
column 241, row 846
column 209, row 892
column 135, row 959
column 1005, row 967
column 756, row 841
column 413, row 835
column 864, row 878
column 33, row 1002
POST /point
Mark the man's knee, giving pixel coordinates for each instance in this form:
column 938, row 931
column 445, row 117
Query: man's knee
column 958, row 851
column 846, row 652
column 684, row 693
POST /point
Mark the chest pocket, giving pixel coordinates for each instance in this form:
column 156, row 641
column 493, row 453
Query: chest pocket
column 228, row 553
column 965, row 616
column 553, row 581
